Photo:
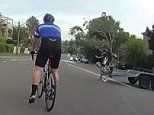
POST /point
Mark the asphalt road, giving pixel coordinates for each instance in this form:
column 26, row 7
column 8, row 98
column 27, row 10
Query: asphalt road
column 79, row 92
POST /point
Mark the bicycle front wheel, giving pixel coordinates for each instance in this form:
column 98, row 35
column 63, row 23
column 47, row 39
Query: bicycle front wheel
column 50, row 94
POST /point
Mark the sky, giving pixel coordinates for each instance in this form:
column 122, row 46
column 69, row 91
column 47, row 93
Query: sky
column 134, row 15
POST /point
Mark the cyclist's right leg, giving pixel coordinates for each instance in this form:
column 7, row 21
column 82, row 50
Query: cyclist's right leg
column 55, row 74
column 56, row 52
column 54, row 68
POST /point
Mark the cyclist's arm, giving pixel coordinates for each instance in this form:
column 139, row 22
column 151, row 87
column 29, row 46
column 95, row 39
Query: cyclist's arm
column 35, row 43
column 36, row 40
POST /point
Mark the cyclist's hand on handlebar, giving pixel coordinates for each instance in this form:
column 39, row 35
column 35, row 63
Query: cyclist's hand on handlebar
column 32, row 52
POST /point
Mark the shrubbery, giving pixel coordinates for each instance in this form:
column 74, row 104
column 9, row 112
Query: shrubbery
column 2, row 40
column 22, row 49
column 9, row 48
column 4, row 47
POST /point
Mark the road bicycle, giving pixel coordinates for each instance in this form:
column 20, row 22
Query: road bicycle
column 105, row 70
column 47, row 85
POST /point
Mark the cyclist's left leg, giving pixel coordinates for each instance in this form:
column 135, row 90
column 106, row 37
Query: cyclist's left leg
column 35, row 82
column 36, row 76
column 40, row 62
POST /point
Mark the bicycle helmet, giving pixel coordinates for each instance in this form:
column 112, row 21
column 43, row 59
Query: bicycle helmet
column 48, row 18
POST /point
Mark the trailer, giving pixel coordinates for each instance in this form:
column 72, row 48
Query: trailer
column 143, row 76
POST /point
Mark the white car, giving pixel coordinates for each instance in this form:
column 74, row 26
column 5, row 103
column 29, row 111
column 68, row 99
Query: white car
column 84, row 60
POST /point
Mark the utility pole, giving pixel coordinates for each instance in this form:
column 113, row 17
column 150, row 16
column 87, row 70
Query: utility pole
column 18, row 38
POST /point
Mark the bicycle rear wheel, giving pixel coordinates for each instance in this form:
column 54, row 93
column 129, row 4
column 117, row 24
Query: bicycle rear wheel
column 50, row 94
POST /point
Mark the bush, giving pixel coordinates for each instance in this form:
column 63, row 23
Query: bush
column 150, row 62
column 9, row 48
column 133, row 53
column 2, row 40
column 22, row 49
column 3, row 47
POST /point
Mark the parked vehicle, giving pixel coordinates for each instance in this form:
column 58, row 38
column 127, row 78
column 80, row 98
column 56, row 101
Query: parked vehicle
column 84, row 60
column 143, row 76
column 71, row 58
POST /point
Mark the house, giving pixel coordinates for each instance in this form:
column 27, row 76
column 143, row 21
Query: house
column 6, row 27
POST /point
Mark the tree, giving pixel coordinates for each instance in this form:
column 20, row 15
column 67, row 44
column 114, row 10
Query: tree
column 134, row 52
column 71, row 47
column 32, row 24
column 105, row 28
column 150, row 34
column 92, row 46
column 99, row 33
column 65, row 45
column 122, row 37
column 79, row 36
column 23, row 35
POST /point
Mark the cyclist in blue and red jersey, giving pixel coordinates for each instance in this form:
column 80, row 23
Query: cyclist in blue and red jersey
column 50, row 35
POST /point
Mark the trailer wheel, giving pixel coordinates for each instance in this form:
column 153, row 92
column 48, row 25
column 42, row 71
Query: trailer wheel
column 144, row 81
column 152, row 84
column 132, row 80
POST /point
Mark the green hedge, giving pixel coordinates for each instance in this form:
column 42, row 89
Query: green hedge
column 22, row 49
column 9, row 48
column 6, row 48
column 2, row 40
column 2, row 47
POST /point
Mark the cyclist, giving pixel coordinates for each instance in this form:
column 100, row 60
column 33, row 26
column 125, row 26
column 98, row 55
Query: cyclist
column 50, row 35
column 105, row 57
column 104, row 61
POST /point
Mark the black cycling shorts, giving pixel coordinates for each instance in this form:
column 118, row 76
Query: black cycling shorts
column 49, row 48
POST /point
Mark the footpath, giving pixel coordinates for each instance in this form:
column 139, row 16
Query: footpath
column 13, row 57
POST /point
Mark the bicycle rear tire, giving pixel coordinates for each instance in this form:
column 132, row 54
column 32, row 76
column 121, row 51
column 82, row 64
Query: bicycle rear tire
column 50, row 95
column 40, row 89
column 41, row 86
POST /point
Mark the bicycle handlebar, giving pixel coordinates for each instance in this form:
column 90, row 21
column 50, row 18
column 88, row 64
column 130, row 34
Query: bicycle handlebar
column 32, row 54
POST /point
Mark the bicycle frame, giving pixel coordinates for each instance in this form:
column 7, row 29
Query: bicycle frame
column 50, row 88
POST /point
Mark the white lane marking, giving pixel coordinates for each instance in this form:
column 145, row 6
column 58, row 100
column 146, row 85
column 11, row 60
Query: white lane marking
column 67, row 61
column 99, row 75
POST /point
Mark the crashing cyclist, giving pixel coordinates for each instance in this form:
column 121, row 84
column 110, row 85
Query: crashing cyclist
column 50, row 35
column 104, row 62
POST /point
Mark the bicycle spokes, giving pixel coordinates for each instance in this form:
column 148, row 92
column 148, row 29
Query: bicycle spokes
column 50, row 95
